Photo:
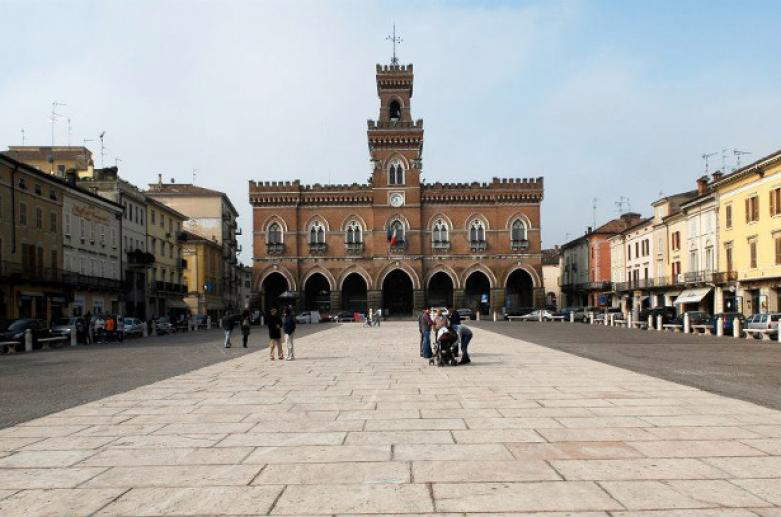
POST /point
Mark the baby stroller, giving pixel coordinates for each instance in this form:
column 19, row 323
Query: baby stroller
column 445, row 348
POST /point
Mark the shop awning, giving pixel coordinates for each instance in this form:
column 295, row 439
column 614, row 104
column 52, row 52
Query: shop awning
column 692, row 295
column 672, row 294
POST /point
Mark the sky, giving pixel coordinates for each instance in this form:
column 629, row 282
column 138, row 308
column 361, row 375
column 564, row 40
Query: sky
column 604, row 99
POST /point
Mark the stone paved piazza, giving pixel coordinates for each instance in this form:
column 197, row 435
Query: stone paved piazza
column 358, row 424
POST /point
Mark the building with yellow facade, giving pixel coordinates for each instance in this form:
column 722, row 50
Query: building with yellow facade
column 166, row 288
column 55, row 160
column 203, row 275
column 750, row 234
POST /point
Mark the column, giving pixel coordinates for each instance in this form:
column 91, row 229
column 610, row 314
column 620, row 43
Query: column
column 418, row 299
column 539, row 297
column 374, row 300
column 336, row 301
column 459, row 298
column 497, row 300
column 718, row 300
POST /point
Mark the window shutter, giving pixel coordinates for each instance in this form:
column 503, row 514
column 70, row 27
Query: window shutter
column 748, row 210
column 772, row 203
column 778, row 250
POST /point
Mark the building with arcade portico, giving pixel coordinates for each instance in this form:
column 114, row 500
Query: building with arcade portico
column 472, row 245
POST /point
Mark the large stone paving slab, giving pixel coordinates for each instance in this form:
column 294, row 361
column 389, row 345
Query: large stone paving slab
column 360, row 425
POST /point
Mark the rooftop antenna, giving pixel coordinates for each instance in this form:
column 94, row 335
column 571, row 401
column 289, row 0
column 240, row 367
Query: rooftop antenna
column 84, row 143
column 117, row 159
column 22, row 136
column 69, row 131
column 54, row 115
column 623, row 205
column 738, row 154
column 195, row 171
column 395, row 40
column 594, row 211
column 724, row 158
column 102, row 148
column 706, row 157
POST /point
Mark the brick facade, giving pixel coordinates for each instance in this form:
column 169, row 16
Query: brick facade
column 455, row 243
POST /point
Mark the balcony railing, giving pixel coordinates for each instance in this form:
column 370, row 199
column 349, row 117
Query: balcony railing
column 478, row 245
column 600, row 286
column 441, row 245
column 317, row 248
column 519, row 245
column 169, row 287
column 275, row 248
column 725, row 277
column 353, row 248
column 92, row 283
column 27, row 273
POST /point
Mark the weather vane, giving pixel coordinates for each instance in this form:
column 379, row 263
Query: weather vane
column 395, row 40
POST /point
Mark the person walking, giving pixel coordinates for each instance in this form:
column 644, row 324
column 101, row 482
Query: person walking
column 228, row 322
column 424, row 326
column 455, row 322
column 274, row 334
column 289, row 327
column 466, row 337
column 245, row 327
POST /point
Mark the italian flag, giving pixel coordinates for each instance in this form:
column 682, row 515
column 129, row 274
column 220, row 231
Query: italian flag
column 392, row 237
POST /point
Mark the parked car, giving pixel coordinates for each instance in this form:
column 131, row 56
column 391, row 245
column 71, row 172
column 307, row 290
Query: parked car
column 535, row 315
column 565, row 312
column 616, row 311
column 668, row 314
column 768, row 321
column 134, row 327
column 344, row 316
column 308, row 317
column 14, row 330
column 64, row 326
column 695, row 318
column 466, row 313
column 164, row 325
column 516, row 311
column 201, row 321
column 729, row 319
column 583, row 312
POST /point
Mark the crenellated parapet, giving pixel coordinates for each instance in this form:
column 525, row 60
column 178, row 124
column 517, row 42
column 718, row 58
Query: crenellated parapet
column 292, row 193
column 499, row 190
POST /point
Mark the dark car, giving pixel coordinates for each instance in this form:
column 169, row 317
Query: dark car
column 668, row 314
column 344, row 316
column 695, row 318
column 517, row 311
column 14, row 330
column 565, row 312
column 729, row 319
column 466, row 314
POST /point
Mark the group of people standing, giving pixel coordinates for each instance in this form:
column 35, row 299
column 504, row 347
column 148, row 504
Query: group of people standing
column 99, row 328
column 277, row 327
column 443, row 320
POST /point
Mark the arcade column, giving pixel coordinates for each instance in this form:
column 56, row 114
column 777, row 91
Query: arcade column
column 336, row 301
column 459, row 298
column 373, row 299
column 497, row 299
column 539, row 297
column 418, row 299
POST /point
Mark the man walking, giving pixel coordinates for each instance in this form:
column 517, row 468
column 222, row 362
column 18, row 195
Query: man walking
column 466, row 337
column 228, row 322
column 424, row 326
column 274, row 334
column 289, row 327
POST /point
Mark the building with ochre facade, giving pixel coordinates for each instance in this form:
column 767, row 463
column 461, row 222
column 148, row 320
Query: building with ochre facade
column 396, row 242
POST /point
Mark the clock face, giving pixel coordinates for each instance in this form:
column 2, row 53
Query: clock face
column 396, row 199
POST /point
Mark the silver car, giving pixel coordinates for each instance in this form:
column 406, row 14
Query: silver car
column 64, row 326
column 134, row 327
column 767, row 321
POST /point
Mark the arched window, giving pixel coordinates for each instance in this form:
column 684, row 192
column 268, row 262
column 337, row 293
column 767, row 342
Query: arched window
column 518, row 231
column 396, row 174
column 439, row 232
column 396, row 231
column 353, row 233
column 316, row 233
column 394, row 111
column 274, row 234
column 477, row 231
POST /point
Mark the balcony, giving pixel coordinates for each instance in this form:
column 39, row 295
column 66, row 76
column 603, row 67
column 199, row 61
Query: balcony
column 476, row 246
column 317, row 248
column 92, row 283
column 398, row 248
column 353, row 248
column 13, row 271
column 169, row 288
column 600, row 286
column 440, row 245
column 275, row 248
column 725, row 277
column 519, row 245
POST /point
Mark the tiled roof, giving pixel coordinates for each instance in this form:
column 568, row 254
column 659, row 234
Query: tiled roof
column 187, row 189
column 550, row 257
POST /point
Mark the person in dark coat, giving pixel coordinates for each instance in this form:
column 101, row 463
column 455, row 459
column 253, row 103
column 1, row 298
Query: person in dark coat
column 424, row 326
column 466, row 337
column 245, row 327
column 228, row 322
column 289, row 327
column 275, row 334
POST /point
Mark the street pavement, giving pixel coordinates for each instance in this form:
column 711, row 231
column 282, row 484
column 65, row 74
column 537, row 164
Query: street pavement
column 360, row 424
column 39, row 383
column 745, row 369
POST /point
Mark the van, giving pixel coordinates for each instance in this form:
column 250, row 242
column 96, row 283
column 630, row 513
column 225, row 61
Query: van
column 768, row 321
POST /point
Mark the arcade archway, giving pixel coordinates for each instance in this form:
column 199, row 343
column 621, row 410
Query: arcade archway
column 519, row 291
column 440, row 290
column 354, row 293
column 273, row 285
column 317, row 293
column 477, row 292
column 397, row 291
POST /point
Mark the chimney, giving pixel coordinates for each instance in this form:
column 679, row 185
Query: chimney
column 589, row 230
column 702, row 185
column 70, row 177
column 173, row 181
column 717, row 175
column 160, row 179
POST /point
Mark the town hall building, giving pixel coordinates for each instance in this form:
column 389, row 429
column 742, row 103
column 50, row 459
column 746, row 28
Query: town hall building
column 474, row 245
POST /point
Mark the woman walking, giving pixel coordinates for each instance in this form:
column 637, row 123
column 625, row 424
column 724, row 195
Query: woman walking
column 289, row 327
column 275, row 334
column 245, row 324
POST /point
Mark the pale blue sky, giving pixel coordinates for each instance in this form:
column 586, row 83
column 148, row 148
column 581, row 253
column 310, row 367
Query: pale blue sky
column 603, row 99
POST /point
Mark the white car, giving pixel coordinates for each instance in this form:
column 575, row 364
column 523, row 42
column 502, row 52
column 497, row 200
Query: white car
column 308, row 317
column 535, row 316
column 134, row 327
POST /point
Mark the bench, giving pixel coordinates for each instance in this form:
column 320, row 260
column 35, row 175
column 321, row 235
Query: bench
column 621, row 323
column 702, row 330
column 559, row 318
column 764, row 334
column 48, row 341
column 674, row 327
column 640, row 324
column 513, row 318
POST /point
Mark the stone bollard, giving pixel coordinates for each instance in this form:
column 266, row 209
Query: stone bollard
column 208, row 322
column 607, row 319
column 28, row 340
column 144, row 330
column 736, row 327
column 154, row 328
column 571, row 316
column 590, row 318
column 612, row 320
column 73, row 337
column 478, row 315
column 494, row 316
column 719, row 326
column 659, row 325
column 650, row 322
column 687, row 328
column 539, row 316
column 219, row 323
